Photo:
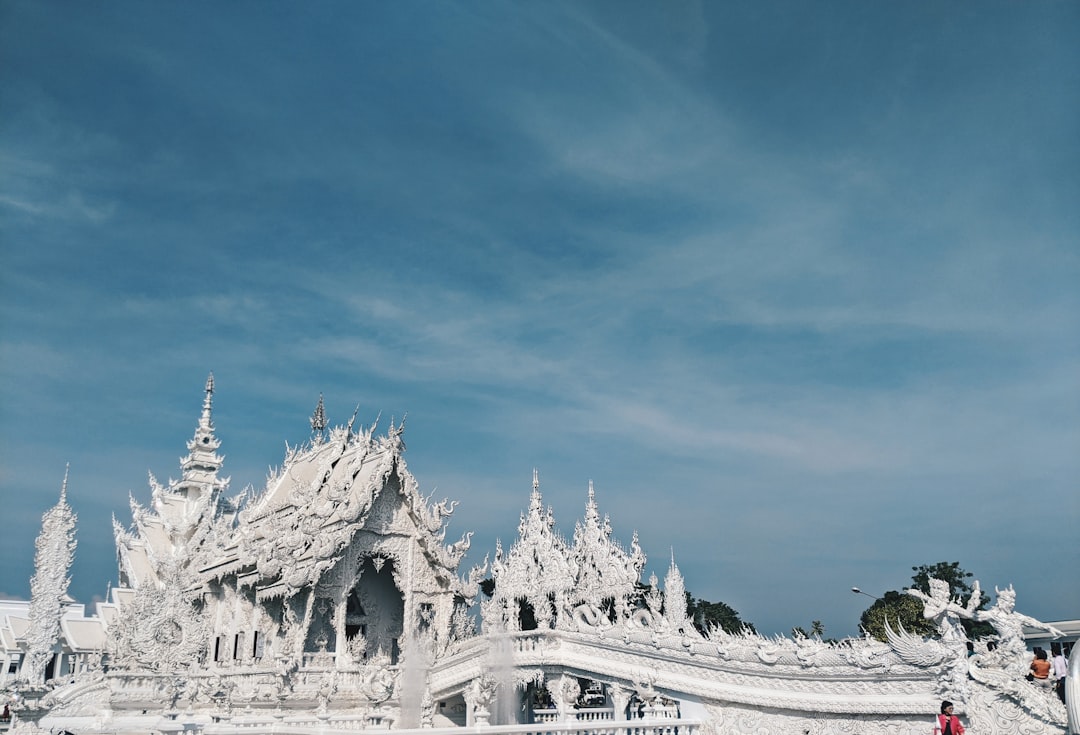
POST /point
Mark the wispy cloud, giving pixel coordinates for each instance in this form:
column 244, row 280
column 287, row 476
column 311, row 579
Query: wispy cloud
column 815, row 283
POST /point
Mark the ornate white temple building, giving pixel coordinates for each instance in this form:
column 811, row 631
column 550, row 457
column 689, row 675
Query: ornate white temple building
column 331, row 602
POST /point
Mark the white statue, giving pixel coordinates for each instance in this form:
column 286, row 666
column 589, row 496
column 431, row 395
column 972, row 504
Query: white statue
column 945, row 611
column 1011, row 648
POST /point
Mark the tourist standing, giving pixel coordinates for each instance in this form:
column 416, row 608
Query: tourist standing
column 947, row 722
column 1059, row 665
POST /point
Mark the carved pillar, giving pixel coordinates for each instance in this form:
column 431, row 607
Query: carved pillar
column 563, row 618
column 444, row 615
column 513, row 615
column 478, row 698
column 620, row 700
column 408, row 623
column 427, row 710
column 308, row 597
column 565, row 693
column 542, row 610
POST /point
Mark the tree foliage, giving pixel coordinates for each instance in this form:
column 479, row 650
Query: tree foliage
column 707, row 615
column 817, row 630
column 898, row 610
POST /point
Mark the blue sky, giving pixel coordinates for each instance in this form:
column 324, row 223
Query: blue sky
column 795, row 285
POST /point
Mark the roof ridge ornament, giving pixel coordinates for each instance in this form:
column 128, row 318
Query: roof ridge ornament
column 318, row 419
column 536, row 500
column 208, row 403
column 63, row 485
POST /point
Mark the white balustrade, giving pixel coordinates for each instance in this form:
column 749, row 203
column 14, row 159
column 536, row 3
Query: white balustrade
column 594, row 714
column 345, row 724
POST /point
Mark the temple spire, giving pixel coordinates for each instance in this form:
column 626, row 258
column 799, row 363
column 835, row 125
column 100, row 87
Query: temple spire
column 592, row 513
column 318, row 419
column 675, row 596
column 208, row 403
column 63, row 485
column 536, row 501
column 53, row 554
column 202, row 463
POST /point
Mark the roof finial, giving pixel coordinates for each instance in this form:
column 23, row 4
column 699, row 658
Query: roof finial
column 318, row 419
column 208, row 402
column 63, row 486
column 536, row 479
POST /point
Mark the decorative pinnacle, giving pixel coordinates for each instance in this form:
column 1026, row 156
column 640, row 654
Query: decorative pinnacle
column 208, row 402
column 318, row 419
column 63, row 486
column 536, row 502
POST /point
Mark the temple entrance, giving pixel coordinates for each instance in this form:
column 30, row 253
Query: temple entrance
column 374, row 612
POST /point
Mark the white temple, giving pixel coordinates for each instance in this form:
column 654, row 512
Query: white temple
column 331, row 602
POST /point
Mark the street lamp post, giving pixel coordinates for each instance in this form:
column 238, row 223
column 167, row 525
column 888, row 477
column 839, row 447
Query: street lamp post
column 858, row 591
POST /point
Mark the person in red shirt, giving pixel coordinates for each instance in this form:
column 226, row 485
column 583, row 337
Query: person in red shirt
column 947, row 722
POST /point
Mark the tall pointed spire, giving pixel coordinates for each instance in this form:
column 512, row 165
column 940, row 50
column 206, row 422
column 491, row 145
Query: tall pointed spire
column 318, row 419
column 54, row 552
column 536, row 501
column 592, row 512
column 674, row 595
column 208, row 403
column 203, row 462
column 63, row 486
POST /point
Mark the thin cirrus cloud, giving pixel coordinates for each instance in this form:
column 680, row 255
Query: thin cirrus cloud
column 771, row 277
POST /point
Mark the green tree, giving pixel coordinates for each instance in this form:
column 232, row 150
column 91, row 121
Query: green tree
column 817, row 630
column 707, row 615
column 898, row 610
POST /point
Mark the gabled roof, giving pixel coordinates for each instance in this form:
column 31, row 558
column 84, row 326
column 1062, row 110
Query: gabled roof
column 7, row 638
column 18, row 627
column 13, row 630
column 86, row 634
column 313, row 507
column 296, row 530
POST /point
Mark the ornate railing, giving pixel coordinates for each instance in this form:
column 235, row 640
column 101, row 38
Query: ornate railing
column 337, row 725
column 593, row 714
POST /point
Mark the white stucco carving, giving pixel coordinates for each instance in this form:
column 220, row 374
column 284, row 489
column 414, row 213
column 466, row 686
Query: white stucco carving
column 53, row 554
column 330, row 601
